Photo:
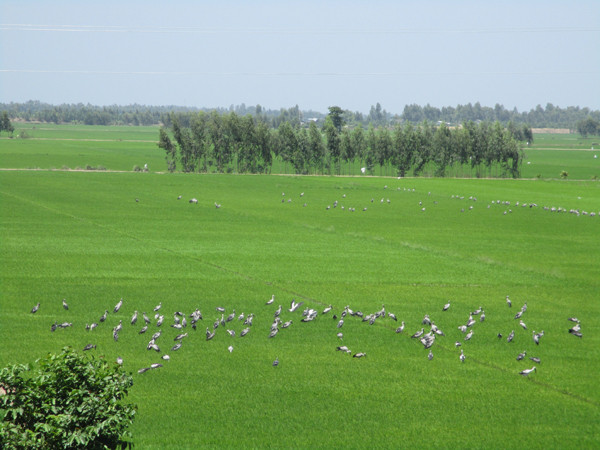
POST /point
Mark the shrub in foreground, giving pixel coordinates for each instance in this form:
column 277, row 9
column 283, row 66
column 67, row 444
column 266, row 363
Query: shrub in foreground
column 69, row 401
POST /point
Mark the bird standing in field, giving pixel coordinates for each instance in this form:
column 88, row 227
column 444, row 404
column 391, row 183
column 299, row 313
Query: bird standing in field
column 35, row 308
column 119, row 360
column 64, row 303
column 446, row 307
column 88, row 347
column 430, row 356
column 400, row 329
column 527, row 371
column 521, row 355
column 462, row 356
column 157, row 307
column 271, row 300
column 134, row 318
column 510, row 336
column 508, row 302
column 118, row 306
column 103, row 318
column 276, row 362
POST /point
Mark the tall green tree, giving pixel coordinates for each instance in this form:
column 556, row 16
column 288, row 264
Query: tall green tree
column 5, row 124
column 316, row 148
column 332, row 137
column 336, row 114
column 164, row 142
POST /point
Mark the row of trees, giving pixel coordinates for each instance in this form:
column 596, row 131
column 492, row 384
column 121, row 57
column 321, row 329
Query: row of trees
column 548, row 116
column 228, row 142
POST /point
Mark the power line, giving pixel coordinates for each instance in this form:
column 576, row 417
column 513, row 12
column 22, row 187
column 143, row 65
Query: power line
column 290, row 31
column 296, row 74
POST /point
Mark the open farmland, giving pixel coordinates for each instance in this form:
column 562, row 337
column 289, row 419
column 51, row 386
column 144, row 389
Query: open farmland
column 68, row 147
column 83, row 237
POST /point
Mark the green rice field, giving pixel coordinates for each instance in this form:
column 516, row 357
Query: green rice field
column 361, row 244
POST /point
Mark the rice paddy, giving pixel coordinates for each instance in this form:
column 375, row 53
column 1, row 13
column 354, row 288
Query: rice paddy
column 93, row 238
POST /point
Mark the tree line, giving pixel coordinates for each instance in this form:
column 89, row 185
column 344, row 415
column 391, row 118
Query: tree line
column 550, row 116
column 213, row 142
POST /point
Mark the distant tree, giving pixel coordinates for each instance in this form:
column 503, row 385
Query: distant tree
column 336, row 115
column 332, row 136
column 68, row 401
column 170, row 149
column 5, row 124
column 588, row 126
column 316, row 147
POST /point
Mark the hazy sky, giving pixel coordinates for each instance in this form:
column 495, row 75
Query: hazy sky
column 314, row 54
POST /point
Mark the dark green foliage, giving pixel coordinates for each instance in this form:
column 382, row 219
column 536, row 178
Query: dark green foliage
column 588, row 126
column 5, row 124
column 69, row 401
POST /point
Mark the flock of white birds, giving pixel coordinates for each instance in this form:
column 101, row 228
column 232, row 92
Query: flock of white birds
column 226, row 320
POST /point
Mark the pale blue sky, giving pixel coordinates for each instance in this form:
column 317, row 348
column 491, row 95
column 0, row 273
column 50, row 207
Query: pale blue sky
column 311, row 53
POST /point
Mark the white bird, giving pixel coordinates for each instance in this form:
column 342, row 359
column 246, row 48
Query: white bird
column 65, row 304
column 119, row 360
column 469, row 335
column 166, row 357
column 326, row 310
column 340, row 323
column 286, row 324
column 294, row 306
column 462, row 356
column 400, row 329
column 230, row 317
column 426, row 320
column 418, row 334
column 521, row 356
column 118, row 306
column 244, row 332
column 527, row 371
column 430, row 356
column 446, row 307
column 157, row 307
column 392, row 315
column 340, row 335
column 278, row 312
column 155, row 365
column 271, row 301
column 522, row 324
column 510, row 336
column 134, row 318
column 471, row 322
column 463, row 328
column 230, row 348
column 508, row 302
column 359, row 355
column 482, row 317
column 343, row 348
column 145, row 318
column 35, row 308
column 176, row 347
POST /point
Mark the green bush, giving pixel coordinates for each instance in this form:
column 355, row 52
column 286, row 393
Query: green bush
column 70, row 401
column 564, row 174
